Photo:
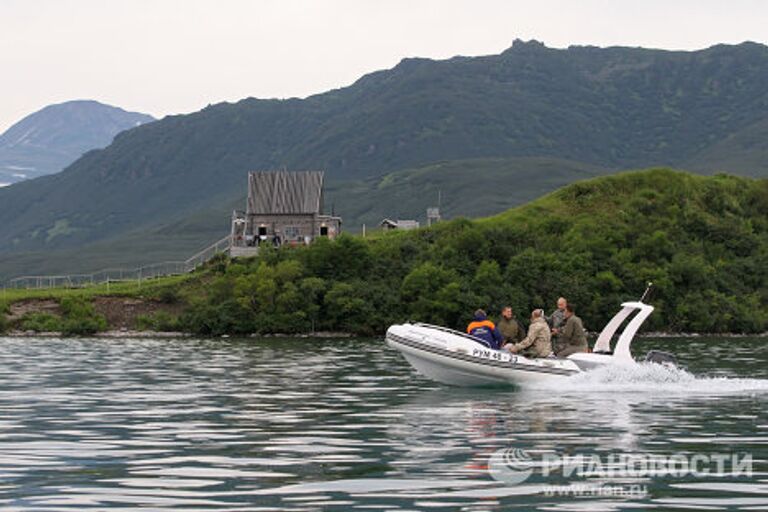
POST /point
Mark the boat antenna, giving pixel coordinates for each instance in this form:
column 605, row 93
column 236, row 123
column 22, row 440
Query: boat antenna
column 647, row 292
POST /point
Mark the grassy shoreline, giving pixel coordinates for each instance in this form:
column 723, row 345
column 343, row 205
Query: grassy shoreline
column 88, row 310
column 157, row 292
column 147, row 287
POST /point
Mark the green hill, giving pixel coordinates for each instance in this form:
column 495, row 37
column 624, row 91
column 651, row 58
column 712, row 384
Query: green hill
column 606, row 108
column 702, row 241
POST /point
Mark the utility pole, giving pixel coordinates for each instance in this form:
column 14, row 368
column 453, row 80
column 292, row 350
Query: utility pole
column 433, row 213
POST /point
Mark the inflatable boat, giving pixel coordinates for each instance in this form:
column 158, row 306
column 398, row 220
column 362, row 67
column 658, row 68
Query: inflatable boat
column 456, row 358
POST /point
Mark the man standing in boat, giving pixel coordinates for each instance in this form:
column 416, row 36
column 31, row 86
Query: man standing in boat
column 509, row 327
column 556, row 321
column 572, row 338
column 486, row 330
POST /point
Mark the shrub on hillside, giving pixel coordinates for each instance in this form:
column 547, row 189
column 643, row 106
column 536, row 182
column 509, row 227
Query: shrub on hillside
column 169, row 295
column 40, row 322
column 80, row 317
column 161, row 321
column 4, row 323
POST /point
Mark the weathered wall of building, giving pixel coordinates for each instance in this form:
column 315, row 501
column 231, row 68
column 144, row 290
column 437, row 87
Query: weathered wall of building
column 292, row 228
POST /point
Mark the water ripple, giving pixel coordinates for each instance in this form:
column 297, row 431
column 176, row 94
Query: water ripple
column 346, row 424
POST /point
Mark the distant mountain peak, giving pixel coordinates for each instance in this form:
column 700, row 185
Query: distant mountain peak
column 48, row 140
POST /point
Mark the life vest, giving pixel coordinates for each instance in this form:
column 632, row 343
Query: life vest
column 486, row 331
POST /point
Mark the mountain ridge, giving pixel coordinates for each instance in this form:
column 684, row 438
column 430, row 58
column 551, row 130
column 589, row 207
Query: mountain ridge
column 606, row 108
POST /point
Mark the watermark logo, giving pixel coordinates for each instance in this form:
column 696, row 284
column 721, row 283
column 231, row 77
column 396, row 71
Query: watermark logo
column 634, row 491
column 513, row 466
column 510, row 465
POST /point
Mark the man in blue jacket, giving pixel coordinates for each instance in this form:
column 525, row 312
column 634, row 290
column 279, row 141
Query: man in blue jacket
column 486, row 330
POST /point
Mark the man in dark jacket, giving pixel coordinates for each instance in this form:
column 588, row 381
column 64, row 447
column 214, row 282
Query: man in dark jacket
column 485, row 330
column 571, row 338
column 509, row 327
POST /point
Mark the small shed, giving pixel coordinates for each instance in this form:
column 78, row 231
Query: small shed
column 389, row 225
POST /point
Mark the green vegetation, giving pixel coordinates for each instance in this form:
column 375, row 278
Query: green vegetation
column 3, row 320
column 78, row 318
column 76, row 304
column 703, row 241
column 164, row 290
column 164, row 189
column 41, row 322
column 160, row 321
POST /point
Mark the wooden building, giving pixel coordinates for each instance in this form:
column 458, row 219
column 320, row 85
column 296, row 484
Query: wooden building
column 283, row 208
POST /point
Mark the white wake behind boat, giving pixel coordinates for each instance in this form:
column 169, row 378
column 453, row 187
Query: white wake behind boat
column 456, row 358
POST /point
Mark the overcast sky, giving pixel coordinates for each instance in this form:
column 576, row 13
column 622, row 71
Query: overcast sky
column 176, row 56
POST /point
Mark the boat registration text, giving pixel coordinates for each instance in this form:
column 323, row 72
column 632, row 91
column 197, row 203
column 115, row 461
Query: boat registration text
column 494, row 355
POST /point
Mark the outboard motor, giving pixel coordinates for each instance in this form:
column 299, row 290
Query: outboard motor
column 662, row 358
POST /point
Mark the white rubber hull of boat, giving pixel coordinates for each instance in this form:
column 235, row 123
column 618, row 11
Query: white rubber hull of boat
column 452, row 357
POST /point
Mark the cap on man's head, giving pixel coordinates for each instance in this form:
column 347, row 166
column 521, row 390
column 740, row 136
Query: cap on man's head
column 480, row 315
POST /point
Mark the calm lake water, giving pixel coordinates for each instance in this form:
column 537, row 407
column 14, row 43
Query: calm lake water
column 347, row 425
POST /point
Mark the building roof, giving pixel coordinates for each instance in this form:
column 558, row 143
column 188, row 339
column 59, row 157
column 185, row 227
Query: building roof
column 388, row 222
column 399, row 224
column 285, row 192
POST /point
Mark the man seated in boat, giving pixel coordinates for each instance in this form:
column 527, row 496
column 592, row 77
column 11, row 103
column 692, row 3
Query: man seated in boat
column 509, row 327
column 486, row 330
column 538, row 342
column 571, row 337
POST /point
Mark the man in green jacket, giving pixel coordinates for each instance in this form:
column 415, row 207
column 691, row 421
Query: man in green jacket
column 509, row 327
column 571, row 338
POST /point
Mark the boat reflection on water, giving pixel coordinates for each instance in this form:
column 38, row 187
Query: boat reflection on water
column 537, row 421
column 651, row 414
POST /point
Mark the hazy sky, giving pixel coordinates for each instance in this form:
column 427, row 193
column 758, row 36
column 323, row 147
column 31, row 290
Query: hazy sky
column 174, row 56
